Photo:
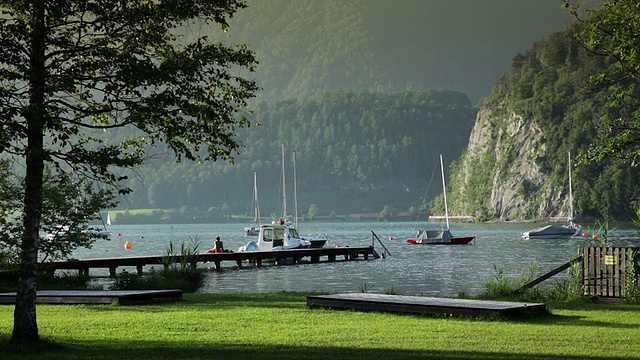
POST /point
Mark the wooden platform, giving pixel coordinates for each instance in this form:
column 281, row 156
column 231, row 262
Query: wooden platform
column 293, row 256
column 121, row 297
column 424, row 305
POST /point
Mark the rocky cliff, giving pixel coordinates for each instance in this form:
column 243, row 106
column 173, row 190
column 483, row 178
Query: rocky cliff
column 516, row 164
column 499, row 177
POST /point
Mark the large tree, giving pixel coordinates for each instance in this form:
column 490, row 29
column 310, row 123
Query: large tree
column 613, row 31
column 73, row 69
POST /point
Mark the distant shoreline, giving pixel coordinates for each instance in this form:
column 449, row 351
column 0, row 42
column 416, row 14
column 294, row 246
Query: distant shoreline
column 155, row 216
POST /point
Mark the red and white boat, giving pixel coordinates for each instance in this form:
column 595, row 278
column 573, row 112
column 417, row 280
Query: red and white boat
column 440, row 237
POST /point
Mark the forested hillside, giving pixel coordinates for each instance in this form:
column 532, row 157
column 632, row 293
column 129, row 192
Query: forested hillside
column 516, row 164
column 355, row 153
column 346, row 85
column 305, row 48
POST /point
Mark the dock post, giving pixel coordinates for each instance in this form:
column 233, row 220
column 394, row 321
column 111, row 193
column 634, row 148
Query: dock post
column 239, row 263
column 112, row 271
column 139, row 269
column 218, row 267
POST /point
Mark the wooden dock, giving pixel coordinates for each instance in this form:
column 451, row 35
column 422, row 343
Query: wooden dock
column 424, row 305
column 294, row 256
column 120, row 297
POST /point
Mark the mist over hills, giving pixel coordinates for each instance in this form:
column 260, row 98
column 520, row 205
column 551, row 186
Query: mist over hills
column 349, row 85
column 307, row 47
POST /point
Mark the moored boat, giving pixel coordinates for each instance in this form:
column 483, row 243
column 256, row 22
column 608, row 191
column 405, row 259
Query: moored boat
column 440, row 237
column 283, row 234
column 557, row 231
column 553, row 231
column 277, row 236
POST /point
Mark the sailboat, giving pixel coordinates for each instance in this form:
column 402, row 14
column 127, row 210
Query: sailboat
column 316, row 241
column 554, row 231
column 254, row 229
column 282, row 234
column 63, row 230
column 440, row 237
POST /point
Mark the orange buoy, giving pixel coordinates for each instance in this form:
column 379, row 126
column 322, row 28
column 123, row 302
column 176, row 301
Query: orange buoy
column 128, row 245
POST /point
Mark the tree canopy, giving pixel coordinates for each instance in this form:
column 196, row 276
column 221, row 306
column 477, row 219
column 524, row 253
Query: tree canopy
column 613, row 31
column 73, row 70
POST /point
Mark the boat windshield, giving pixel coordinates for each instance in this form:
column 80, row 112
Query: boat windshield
column 294, row 233
column 279, row 233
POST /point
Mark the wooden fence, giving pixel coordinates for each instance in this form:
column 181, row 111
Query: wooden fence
column 606, row 270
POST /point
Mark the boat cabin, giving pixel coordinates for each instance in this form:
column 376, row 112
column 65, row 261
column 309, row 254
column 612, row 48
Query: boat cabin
column 279, row 236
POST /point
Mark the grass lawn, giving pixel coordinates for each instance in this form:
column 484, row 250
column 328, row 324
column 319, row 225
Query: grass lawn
column 270, row 326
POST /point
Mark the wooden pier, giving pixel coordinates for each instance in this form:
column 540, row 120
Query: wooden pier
column 425, row 305
column 294, row 256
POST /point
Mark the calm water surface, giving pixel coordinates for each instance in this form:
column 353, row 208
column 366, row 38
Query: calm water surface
column 410, row 270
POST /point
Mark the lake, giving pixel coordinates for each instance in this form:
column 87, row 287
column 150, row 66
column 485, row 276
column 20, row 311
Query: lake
column 425, row 270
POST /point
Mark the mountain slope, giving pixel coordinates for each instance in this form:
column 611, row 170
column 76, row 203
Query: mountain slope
column 516, row 167
column 307, row 47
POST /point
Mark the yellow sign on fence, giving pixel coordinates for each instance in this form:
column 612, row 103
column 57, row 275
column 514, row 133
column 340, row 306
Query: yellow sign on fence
column 609, row 260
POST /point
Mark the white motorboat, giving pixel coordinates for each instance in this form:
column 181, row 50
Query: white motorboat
column 277, row 236
column 283, row 234
column 557, row 231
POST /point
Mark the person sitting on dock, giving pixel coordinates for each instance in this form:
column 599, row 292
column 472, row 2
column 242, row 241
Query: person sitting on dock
column 218, row 246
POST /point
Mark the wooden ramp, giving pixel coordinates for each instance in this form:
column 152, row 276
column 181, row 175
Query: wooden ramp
column 424, row 305
column 121, row 297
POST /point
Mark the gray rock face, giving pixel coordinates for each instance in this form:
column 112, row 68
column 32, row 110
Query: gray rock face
column 499, row 177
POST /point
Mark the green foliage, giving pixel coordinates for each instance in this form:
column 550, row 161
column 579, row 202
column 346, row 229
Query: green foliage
column 568, row 289
column 72, row 71
column 179, row 271
column 355, row 152
column 69, row 204
column 599, row 232
column 601, row 34
column 301, row 56
column 46, row 280
column 547, row 94
column 632, row 282
column 502, row 287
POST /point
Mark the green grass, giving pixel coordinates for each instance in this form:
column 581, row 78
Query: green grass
column 269, row 326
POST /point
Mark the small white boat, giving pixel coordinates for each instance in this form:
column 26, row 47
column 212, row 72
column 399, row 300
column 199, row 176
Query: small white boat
column 553, row 231
column 277, row 236
column 283, row 234
column 557, row 231
column 63, row 231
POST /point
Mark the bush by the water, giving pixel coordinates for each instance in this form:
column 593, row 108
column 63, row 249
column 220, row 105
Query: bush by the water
column 179, row 271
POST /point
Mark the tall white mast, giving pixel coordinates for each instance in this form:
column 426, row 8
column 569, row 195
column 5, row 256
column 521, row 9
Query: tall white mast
column 295, row 192
column 284, row 189
column 444, row 192
column 256, row 204
column 570, row 192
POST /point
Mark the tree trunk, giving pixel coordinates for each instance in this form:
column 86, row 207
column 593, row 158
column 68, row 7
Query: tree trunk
column 25, row 326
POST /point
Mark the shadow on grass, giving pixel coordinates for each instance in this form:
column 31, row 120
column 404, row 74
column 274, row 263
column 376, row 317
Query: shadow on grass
column 152, row 350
